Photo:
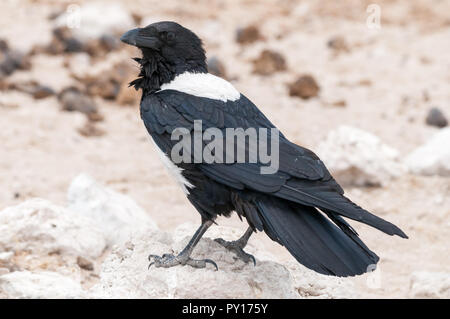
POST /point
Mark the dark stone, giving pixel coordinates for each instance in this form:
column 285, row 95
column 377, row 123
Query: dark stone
column 338, row 44
column 268, row 63
column 72, row 99
column 85, row 264
column 436, row 118
column 248, row 35
column 3, row 45
column 90, row 130
column 42, row 91
column 305, row 87
column 11, row 60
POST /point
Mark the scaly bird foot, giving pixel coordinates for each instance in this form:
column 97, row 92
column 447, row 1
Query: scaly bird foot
column 169, row 260
column 236, row 247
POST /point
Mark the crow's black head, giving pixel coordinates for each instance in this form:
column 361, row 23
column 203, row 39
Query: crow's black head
column 168, row 49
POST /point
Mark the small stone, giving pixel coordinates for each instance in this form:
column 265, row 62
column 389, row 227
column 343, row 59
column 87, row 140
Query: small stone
column 95, row 117
column 104, row 87
column 11, row 61
column 365, row 82
column 268, row 63
column 73, row 45
column 102, row 46
column 436, row 118
column 72, row 99
column 42, row 91
column 425, row 60
column 67, row 42
column 85, row 264
column 3, row 45
column 305, row 87
column 248, row 35
column 38, row 91
column 90, row 130
column 340, row 103
column 216, row 67
column 62, row 33
column 63, row 41
column 338, row 44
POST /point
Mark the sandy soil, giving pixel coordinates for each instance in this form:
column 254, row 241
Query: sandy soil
column 389, row 79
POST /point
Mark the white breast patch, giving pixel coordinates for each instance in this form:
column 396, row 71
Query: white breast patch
column 203, row 85
column 174, row 170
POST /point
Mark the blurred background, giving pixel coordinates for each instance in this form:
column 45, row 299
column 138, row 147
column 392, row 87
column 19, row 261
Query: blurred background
column 364, row 84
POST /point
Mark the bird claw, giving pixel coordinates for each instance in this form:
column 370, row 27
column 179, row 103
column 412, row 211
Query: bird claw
column 236, row 247
column 201, row 263
column 169, row 260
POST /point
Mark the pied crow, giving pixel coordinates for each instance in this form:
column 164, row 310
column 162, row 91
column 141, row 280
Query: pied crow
column 299, row 205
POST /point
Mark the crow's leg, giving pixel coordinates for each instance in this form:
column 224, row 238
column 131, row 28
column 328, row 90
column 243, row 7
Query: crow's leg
column 238, row 246
column 183, row 258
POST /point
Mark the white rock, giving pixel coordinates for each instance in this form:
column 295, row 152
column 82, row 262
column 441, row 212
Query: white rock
column 41, row 227
column 94, row 19
column 310, row 284
column 432, row 158
column 125, row 275
column 43, row 285
column 307, row 283
column 6, row 262
column 426, row 284
column 356, row 157
column 117, row 215
column 6, row 256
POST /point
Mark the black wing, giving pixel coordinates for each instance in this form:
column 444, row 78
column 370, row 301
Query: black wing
column 302, row 177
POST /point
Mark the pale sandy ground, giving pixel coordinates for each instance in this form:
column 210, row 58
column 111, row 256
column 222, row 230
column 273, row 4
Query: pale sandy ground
column 404, row 61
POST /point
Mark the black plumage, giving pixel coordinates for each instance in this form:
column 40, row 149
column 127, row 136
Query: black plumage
column 300, row 206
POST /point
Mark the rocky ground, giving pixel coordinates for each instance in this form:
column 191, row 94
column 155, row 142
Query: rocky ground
column 374, row 103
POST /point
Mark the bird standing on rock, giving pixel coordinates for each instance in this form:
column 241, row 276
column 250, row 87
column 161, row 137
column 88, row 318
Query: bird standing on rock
column 299, row 205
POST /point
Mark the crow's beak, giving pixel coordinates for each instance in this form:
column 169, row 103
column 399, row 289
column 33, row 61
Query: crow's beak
column 129, row 37
column 133, row 37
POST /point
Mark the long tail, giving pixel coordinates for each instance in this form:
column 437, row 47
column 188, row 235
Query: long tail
column 334, row 203
column 316, row 242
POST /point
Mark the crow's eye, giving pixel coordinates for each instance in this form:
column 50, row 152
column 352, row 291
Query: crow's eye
column 170, row 36
column 167, row 36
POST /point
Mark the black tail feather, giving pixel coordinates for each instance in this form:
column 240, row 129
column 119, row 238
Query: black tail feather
column 314, row 240
column 327, row 199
